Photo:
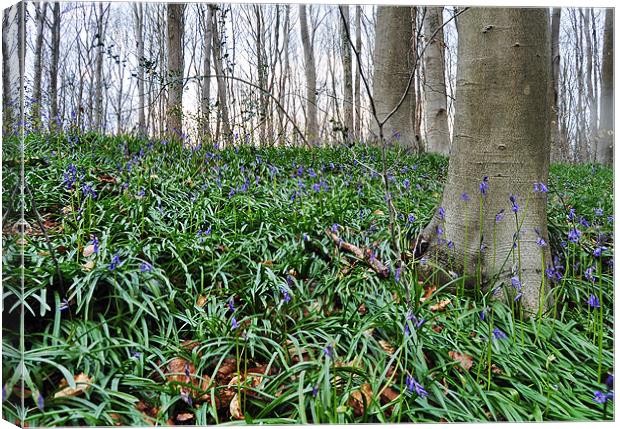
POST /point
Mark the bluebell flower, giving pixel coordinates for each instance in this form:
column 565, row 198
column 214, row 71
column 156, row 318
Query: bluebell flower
column 305, row 237
column 64, row 305
column 95, row 242
column 328, row 350
column 599, row 251
column 116, row 261
column 442, row 213
column 609, row 381
column 286, row 297
column 231, row 304
column 499, row 216
column 584, row 222
column 515, row 205
column 397, row 273
column 540, row 187
column 465, row 197
column 88, row 191
column 601, row 397
column 498, row 334
column 233, row 323
column 315, row 390
column 406, row 183
column 594, row 302
column 598, row 212
column 410, row 218
column 146, row 267
column 571, row 214
column 335, row 228
column 484, row 185
column 413, row 385
column 40, row 402
column 316, row 187
column 574, row 235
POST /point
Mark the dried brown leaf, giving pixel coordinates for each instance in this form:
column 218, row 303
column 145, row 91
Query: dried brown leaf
column 88, row 250
column 441, row 305
column 82, row 384
column 235, row 408
column 387, row 347
column 464, row 360
column 360, row 399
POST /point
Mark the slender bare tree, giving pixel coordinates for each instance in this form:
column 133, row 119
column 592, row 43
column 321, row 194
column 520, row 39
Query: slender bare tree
column 347, row 64
column 312, row 126
column 393, row 63
column 436, row 118
column 53, row 70
column 605, row 149
column 138, row 11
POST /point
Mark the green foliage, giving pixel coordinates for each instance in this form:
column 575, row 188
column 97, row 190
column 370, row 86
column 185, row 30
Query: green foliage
column 195, row 228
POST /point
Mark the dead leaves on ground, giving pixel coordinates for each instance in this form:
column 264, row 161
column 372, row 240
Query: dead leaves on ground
column 82, row 384
column 464, row 360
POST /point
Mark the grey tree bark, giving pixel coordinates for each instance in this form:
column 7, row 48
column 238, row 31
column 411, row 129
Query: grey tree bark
column 206, row 80
column 393, row 63
column 40, row 13
column 174, row 109
column 436, row 118
column 347, row 64
column 559, row 143
column 138, row 10
column 221, row 82
column 55, row 55
column 502, row 133
column 99, row 119
column 7, row 108
column 312, row 126
column 605, row 149
column 358, row 84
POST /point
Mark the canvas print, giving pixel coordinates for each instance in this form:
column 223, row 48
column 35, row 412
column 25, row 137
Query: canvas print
column 235, row 213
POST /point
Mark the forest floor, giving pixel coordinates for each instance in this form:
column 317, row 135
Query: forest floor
column 204, row 285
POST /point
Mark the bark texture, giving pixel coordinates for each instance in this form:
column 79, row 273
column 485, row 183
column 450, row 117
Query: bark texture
column 559, row 144
column 605, row 149
column 174, row 111
column 345, row 33
column 393, row 63
column 312, row 125
column 139, row 29
column 206, row 80
column 221, row 81
column 437, row 132
column 41, row 11
column 55, row 54
column 501, row 131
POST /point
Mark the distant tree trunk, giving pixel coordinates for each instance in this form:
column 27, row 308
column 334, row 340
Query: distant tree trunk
column 502, row 133
column 139, row 25
column 221, row 82
column 41, row 11
column 312, row 126
column 206, row 80
column 99, row 71
column 358, row 83
column 437, row 132
column 347, row 64
column 284, row 75
column 7, row 108
column 262, row 74
column 393, row 63
column 559, row 143
column 55, row 55
column 174, row 110
column 592, row 118
column 605, row 149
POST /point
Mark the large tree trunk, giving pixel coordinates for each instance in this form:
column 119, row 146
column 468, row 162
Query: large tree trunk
column 55, row 55
column 345, row 33
column 393, row 62
column 41, row 11
column 312, row 125
column 592, row 119
column 605, row 149
column 437, row 132
column 174, row 109
column 139, row 26
column 221, row 82
column 501, row 132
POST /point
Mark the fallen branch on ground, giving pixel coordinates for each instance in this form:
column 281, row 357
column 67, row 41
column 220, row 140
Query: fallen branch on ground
column 364, row 255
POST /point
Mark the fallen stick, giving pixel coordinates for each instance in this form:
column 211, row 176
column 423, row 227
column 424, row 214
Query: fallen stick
column 364, row 255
